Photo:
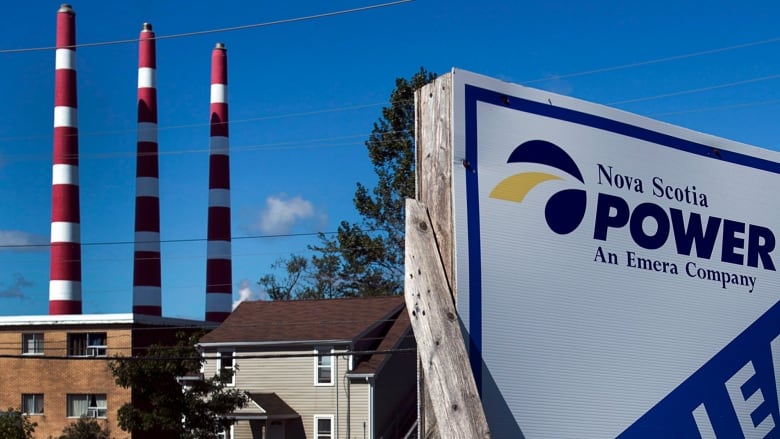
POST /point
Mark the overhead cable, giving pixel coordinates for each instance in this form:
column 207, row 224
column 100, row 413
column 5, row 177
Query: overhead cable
column 696, row 90
column 655, row 61
column 219, row 30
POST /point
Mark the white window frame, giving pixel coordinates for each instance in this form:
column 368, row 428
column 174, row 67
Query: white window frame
column 317, row 434
column 35, row 397
column 226, row 434
column 94, row 349
column 91, row 348
column 317, row 366
column 96, row 411
column 37, row 339
column 232, row 356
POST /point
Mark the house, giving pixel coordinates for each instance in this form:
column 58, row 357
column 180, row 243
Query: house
column 318, row 369
column 55, row 367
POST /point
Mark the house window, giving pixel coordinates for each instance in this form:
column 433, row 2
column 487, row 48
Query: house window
column 89, row 405
column 323, row 427
column 323, row 367
column 32, row 343
column 226, row 366
column 226, row 434
column 32, row 403
column 92, row 344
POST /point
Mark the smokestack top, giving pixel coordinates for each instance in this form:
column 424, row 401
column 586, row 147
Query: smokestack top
column 147, row 27
column 220, row 46
column 66, row 8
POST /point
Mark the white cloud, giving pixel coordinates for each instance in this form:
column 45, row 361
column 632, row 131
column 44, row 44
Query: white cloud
column 15, row 240
column 281, row 214
column 245, row 292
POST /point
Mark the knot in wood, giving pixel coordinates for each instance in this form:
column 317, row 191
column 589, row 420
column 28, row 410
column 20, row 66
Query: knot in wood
column 423, row 226
column 450, row 316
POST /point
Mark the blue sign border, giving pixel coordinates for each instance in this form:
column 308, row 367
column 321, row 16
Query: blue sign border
column 474, row 95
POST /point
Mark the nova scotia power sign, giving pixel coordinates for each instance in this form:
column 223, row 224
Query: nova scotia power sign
column 616, row 276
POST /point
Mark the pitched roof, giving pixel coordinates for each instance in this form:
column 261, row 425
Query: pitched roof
column 397, row 334
column 304, row 320
column 265, row 406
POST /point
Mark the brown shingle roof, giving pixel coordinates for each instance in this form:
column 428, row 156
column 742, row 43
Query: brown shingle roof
column 304, row 320
column 395, row 336
column 273, row 405
column 267, row 406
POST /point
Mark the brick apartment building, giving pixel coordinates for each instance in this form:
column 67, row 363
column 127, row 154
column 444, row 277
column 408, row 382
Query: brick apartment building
column 55, row 368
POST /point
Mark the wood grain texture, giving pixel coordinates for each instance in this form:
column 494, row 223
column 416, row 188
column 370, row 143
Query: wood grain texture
column 448, row 379
column 433, row 129
column 433, row 182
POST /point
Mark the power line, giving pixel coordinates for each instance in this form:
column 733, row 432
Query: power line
column 293, row 144
column 655, row 61
column 395, row 3
column 183, row 240
column 37, row 256
column 207, row 124
column 167, row 241
column 368, row 105
column 130, row 258
column 280, row 146
column 317, row 142
column 719, row 107
column 696, row 90
column 117, row 341
column 209, row 357
column 219, row 30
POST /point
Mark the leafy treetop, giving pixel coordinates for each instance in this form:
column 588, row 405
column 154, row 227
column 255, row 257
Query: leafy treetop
column 365, row 258
column 164, row 407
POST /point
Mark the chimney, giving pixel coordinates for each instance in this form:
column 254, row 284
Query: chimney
column 219, row 277
column 65, row 264
column 146, row 269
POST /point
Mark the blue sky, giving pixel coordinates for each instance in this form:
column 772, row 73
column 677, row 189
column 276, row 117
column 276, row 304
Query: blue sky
column 303, row 97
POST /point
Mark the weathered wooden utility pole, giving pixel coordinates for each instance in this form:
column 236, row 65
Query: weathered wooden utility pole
column 450, row 403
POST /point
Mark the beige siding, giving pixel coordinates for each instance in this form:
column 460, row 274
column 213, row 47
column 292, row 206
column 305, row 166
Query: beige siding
column 292, row 379
column 358, row 411
column 241, row 430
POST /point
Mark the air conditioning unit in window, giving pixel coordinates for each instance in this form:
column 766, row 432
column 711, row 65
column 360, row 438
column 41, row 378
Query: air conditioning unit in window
column 97, row 351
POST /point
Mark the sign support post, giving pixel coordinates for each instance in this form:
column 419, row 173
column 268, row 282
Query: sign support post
column 448, row 378
column 446, row 401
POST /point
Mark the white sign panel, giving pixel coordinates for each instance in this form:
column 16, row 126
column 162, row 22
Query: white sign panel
column 616, row 275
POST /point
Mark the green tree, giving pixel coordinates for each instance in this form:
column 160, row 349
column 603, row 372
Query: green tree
column 16, row 425
column 294, row 282
column 85, row 428
column 364, row 258
column 166, row 409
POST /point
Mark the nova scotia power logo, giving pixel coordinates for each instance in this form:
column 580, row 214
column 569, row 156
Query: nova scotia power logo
column 565, row 209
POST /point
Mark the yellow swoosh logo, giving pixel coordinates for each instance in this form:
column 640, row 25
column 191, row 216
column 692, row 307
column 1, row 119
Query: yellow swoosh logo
column 516, row 187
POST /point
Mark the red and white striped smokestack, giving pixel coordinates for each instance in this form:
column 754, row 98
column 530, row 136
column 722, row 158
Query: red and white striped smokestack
column 146, row 270
column 65, row 264
column 219, row 277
